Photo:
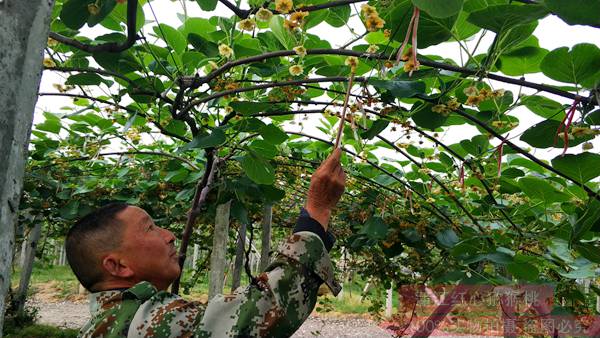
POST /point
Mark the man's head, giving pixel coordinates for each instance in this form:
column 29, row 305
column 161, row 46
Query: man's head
column 118, row 246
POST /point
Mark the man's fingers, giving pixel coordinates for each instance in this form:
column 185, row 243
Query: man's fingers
column 333, row 160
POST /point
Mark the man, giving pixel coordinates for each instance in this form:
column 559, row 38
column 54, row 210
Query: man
column 127, row 262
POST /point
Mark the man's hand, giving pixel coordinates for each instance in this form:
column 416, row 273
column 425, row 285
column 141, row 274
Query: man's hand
column 326, row 187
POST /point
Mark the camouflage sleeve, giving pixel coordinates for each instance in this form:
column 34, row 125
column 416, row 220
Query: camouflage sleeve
column 285, row 296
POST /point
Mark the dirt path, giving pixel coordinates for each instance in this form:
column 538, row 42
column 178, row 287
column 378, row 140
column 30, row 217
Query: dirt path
column 75, row 314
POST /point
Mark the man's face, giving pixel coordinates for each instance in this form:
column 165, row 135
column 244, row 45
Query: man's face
column 148, row 250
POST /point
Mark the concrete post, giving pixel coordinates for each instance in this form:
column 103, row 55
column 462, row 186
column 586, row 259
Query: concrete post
column 218, row 259
column 266, row 237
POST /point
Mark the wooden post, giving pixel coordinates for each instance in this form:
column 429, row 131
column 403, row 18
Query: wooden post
column 32, row 242
column 239, row 258
column 23, row 35
column 266, row 237
column 219, row 250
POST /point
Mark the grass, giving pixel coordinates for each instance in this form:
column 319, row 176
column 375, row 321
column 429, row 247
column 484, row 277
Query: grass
column 38, row 330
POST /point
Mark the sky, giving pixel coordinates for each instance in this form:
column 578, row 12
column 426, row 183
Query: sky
column 552, row 33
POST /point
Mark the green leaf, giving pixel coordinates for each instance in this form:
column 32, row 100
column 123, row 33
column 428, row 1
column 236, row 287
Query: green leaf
column 588, row 251
column 119, row 15
column 587, row 221
column 273, row 134
column 375, row 228
column 257, row 169
column 544, row 107
column 85, row 79
column 171, row 36
column 52, row 126
column 202, row 45
column 542, row 135
column 199, row 26
column 424, row 117
column 587, row 271
column 582, row 167
column 338, row 16
column 432, row 31
column 250, row 107
column 177, row 127
column 572, row 66
column 74, row 13
column 522, row 61
column 539, row 189
column 400, row 89
column 477, row 146
column 377, row 127
column 280, row 32
column 500, row 18
column 207, row 5
column 214, row 139
column 263, row 148
column 106, row 7
column 122, row 63
column 523, row 271
column 447, row 238
column 439, row 9
column 576, row 12
column 315, row 18
column 593, row 117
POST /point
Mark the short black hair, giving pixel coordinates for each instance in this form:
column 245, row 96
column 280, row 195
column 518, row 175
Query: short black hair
column 95, row 234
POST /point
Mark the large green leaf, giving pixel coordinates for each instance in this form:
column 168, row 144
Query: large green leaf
column 207, row 5
column 522, row 61
column 587, row 221
column 375, row 228
column 118, row 16
column 424, row 117
column 281, row 33
column 258, row 169
column 572, row 66
column 214, row 139
column 582, row 167
column 539, row 189
column 203, row 45
column 432, row 31
column 171, row 36
column 523, row 271
column 439, row 9
column 542, row 135
column 74, row 13
column 447, row 238
column 338, row 16
column 377, row 127
column 273, row 134
column 544, row 107
column 122, row 63
column 263, row 148
column 400, row 89
column 576, row 12
column 500, row 18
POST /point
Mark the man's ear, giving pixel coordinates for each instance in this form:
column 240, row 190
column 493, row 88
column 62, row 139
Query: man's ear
column 115, row 266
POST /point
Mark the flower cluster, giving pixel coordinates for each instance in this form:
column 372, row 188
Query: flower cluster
column 371, row 17
column 300, row 51
column 247, row 25
column 475, row 96
column 352, row 62
column 49, row 63
column 445, row 109
column 296, row 70
column 295, row 21
column 264, row 15
column 225, row 51
column 284, row 6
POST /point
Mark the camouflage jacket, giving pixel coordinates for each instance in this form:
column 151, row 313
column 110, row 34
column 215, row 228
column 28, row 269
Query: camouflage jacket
column 285, row 296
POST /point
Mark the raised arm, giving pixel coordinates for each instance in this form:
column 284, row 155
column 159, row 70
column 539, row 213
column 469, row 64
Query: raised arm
column 287, row 291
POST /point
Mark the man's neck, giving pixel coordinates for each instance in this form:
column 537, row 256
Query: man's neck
column 112, row 285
